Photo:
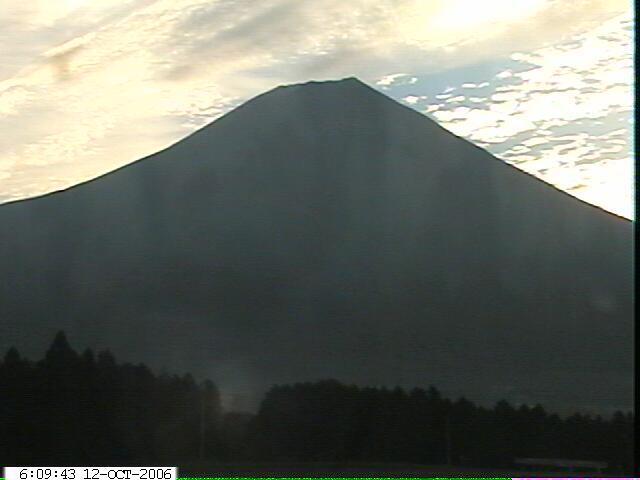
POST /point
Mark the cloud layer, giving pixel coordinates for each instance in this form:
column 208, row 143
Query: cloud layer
column 562, row 113
column 89, row 85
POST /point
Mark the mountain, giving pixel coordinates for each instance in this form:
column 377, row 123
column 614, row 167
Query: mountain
column 324, row 230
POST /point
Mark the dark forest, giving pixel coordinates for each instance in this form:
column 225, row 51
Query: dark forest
column 71, row 408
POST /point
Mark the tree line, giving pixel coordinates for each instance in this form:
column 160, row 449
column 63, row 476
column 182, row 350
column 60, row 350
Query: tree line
column 87, row 409
column 328, row 420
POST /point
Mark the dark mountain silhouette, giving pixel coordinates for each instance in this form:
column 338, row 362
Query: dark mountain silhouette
column 324, row 230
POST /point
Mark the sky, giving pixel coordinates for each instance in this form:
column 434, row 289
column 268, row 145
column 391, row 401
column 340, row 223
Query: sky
column 87, row 86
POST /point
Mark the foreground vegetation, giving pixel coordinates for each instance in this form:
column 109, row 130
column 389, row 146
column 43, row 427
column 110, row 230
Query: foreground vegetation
column 72, row 408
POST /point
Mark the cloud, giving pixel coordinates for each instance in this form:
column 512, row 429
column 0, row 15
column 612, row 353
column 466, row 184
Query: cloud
column 390, row 79
column 27, row 29
column 87, row 86
column 313, row 35
column 474, row 85
column 307, row 36
column 543, row 114
column 61, row 61
column 456, row 99
column 413, row 99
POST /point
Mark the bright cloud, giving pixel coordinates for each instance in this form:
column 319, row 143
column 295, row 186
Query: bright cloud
column 412, row 99
column 390, row 79
column 577, row 85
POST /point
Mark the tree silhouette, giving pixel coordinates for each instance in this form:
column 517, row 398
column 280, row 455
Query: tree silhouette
column 89, row 409
column 79, row 409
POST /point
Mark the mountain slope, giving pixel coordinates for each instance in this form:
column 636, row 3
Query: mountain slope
column 325, row 230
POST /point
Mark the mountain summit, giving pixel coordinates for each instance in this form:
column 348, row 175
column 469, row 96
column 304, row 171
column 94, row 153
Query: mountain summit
column 324, row 230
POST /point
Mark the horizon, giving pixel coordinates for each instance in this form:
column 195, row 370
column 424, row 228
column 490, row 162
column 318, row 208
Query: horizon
column 83, row 92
